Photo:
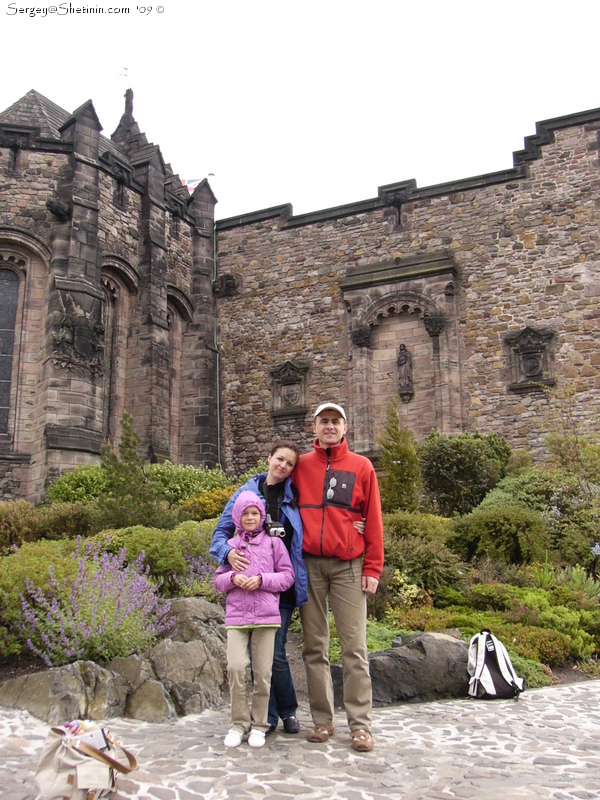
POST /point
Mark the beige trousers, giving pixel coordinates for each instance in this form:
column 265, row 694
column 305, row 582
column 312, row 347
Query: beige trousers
column 340, row 582
column 247, row 714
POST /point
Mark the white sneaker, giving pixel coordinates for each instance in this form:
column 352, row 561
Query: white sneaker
column 256, row 739
column 233, row 739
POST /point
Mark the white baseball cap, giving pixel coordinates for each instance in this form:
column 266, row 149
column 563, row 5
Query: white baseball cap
column 333, row 406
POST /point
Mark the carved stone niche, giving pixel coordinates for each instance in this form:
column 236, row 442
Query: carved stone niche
column 77, row 330
column 289, row 391
column 226, row 285
column 530, row 359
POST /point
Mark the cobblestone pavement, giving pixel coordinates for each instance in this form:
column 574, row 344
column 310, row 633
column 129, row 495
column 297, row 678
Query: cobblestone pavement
column 545, row 746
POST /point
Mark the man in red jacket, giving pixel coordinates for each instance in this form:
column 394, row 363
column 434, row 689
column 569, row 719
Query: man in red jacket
column 338, row 488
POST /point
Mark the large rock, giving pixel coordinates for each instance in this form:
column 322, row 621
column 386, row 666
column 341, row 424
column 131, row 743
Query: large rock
column 82, row 690
column 182, row 675
column 196, row 618
column 148, row 699
column 426, row 666
column 191, row 672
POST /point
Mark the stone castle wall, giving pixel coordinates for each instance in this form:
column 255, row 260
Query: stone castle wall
column 494, row 257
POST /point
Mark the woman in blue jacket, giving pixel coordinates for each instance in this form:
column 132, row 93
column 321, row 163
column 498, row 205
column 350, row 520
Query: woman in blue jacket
column 283, row 519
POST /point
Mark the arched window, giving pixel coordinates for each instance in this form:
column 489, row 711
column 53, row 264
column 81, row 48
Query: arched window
column 120, row 283
column 9, row 292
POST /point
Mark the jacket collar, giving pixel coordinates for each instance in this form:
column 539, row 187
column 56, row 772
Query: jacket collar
column 334, row 453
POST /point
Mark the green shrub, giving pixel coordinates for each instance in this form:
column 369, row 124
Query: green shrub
column 38, row 562
column 534, row 674
column 408, row 620
column 179, row 483
column 426, row 562
column 395, row 590
column 107, row 609
column 21, row 522
column 177, row 559
column 400, row 481
column 17, row 524
column 459, row 471
column 64, row 520
column 208, row 504
column 80, row 485
column 446, row 597
column 533, row 488
column 402, row 524
column 493, row 596
column 512, row 535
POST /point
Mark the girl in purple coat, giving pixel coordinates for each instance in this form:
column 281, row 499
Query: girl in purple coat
column 252, row 616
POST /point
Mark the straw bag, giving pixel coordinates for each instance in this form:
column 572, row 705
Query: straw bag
column 73, row 767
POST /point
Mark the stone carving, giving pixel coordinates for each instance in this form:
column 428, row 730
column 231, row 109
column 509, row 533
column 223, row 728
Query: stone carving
column 226, row 285
column 62, row 211
column 434, row 323
column 361, row 335
column 78, row 336
column 405, row 374
column 529, row 359
column 289, row 389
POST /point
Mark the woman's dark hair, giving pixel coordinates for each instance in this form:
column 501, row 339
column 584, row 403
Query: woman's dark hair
column 285, row 443
column 280, row 445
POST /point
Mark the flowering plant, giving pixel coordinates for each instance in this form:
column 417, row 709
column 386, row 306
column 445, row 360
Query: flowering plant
column 108, row 609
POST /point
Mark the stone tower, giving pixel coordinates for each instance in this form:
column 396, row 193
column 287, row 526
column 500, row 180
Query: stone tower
column 106, row 264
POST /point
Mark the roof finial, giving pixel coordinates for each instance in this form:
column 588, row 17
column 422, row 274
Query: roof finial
column 129, row 102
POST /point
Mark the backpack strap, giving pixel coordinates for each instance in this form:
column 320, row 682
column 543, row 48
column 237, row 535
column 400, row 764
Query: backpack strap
column 506, row 666
column 476, row 661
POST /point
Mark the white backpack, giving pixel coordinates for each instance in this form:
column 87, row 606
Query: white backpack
column 491, row 670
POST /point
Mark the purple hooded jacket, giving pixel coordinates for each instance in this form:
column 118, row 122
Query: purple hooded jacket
column 268, row 558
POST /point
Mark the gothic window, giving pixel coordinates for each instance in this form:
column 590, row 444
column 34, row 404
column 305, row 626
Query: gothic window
column 120, row 282
column 119, row 196
column 109, row 320
column 175, row 361
column 9, row 290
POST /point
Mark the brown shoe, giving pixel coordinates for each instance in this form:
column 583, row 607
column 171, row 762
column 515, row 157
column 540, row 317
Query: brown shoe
column 362, row 741
column 320, row 733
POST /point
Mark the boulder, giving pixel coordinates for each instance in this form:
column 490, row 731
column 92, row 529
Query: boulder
column 424, row 666
column 148, row 699
column 150, row 702
column 82, row 690
column 196, row 618
column 192, row 672
column 181, row 675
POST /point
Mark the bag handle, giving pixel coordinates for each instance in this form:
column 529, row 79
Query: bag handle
column 93, row 752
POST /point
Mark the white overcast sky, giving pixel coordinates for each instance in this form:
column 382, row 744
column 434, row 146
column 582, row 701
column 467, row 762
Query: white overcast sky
column 314, row 102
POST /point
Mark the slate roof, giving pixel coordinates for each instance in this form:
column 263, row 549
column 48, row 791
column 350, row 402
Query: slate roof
column 34, row 110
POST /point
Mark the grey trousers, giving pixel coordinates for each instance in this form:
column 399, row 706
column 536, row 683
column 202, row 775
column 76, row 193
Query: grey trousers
column 244, row 714
column 340, row 582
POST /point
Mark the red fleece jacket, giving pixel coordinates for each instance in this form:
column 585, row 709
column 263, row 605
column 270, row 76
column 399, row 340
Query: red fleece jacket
column 336, row 488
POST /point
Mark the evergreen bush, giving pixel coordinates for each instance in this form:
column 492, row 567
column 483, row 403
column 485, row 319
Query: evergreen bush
column 400, row 479
column 18, row 524
column 459, row 471
column 79, row 485
column 178, row 559
column 207, row 504
column 512, row 535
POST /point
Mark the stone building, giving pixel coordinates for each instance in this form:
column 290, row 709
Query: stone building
column 106, row 264
column 119, row 291
column 462, row 300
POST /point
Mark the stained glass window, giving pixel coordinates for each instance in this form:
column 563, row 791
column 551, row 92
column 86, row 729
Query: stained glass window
column 9, row 288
